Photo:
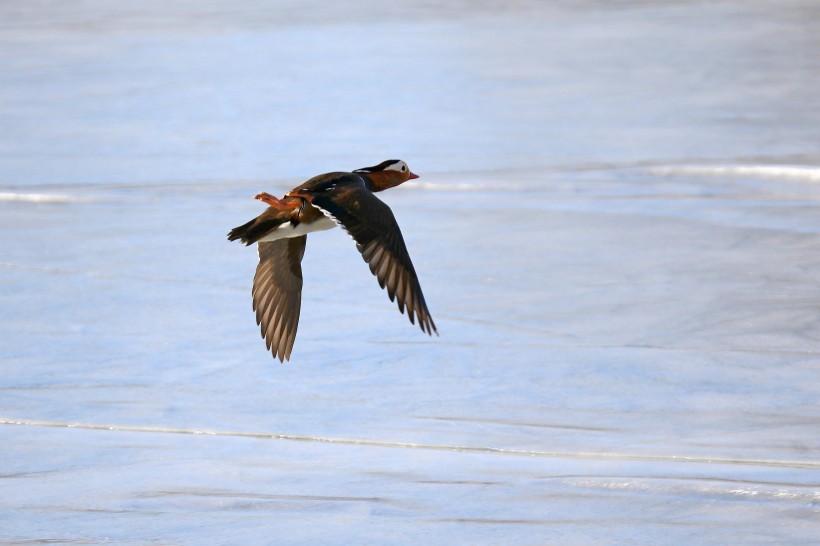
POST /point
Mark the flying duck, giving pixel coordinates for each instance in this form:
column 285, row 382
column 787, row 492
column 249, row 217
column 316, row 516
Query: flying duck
column 323, row 202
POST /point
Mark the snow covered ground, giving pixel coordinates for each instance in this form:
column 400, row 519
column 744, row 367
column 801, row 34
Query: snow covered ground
column 617, row 230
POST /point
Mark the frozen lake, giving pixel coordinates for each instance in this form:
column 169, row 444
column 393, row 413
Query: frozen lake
column 617, row 230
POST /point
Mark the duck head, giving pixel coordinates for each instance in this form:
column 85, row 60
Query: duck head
column 387, row 174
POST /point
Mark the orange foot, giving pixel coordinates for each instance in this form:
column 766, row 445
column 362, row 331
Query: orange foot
column 265, row 197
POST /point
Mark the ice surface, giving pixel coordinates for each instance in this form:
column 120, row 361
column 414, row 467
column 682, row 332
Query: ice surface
column 616, row 230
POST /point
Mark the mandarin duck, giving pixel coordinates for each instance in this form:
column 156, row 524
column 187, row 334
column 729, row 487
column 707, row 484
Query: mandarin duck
column 323, row 202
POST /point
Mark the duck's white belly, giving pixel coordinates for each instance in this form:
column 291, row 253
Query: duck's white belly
column 289, row 230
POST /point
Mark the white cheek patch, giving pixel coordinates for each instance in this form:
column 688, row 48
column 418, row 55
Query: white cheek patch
column 399, row 166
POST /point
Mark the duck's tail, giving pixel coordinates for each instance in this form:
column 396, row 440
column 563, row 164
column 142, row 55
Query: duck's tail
column 241, row 232
column 260, row 226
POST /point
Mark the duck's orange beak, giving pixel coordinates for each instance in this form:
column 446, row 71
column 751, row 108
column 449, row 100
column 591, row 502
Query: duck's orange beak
column 411, row 176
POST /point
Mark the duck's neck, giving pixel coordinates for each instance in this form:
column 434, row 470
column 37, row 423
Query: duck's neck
column 379, row 181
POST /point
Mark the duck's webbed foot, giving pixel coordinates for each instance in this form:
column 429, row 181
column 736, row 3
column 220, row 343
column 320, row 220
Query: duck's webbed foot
column 268, row 199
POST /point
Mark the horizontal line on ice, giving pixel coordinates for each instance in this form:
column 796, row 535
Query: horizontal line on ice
column 40, row 197
column 801, row 173
column 402, row 445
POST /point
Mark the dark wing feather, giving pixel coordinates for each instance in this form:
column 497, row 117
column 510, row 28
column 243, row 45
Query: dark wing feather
column 372, row 225
column 277, row 292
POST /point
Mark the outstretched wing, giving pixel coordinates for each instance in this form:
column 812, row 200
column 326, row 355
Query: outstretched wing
column 372, row 225
column 277, row 292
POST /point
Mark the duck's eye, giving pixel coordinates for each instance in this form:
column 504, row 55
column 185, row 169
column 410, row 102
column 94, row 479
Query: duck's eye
column 403, row 168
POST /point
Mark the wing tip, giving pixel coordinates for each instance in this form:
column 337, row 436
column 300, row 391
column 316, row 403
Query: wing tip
column 280, row 356
column 431, row 326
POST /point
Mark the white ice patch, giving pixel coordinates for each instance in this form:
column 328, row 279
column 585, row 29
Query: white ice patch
column 466, row 186
column 289, row 230
column 39, row 197
column 800, row 173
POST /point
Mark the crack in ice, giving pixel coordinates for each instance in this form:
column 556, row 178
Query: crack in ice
column 410, row 445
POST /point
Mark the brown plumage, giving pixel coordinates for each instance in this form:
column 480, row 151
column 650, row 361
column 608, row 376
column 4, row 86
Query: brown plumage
column 277, row 292
column 321, row 203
